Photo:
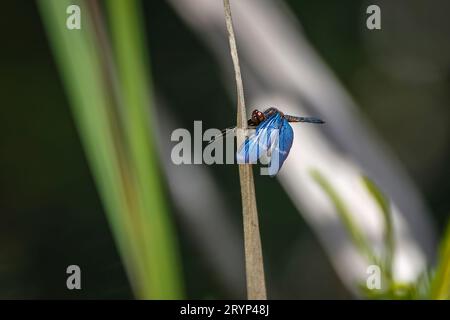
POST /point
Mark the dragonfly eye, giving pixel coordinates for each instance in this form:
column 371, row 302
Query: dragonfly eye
column 260, row 116
column 255, row 116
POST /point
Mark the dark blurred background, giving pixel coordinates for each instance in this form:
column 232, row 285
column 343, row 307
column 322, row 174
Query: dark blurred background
column 50, row 212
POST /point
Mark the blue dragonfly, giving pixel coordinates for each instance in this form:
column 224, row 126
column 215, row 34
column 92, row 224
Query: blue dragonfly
column 272, row 139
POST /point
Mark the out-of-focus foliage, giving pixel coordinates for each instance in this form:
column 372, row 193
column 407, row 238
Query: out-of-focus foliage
column 383, row 203
column 355, row 233
column 117, row 137
column 434, row 286
column 440, row 287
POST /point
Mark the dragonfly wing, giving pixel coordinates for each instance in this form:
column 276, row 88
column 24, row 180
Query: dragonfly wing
column 258, row 143
column 280, row 147
column 249, row 152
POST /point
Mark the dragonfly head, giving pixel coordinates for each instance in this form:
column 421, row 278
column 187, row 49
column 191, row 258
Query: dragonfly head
column 258, row 117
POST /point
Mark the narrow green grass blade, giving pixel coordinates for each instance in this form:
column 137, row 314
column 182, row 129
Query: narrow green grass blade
column 389, row 241
column 78, row 63
column 137, row 214
column 128, row 38
column 355, row 233
column 440, row 286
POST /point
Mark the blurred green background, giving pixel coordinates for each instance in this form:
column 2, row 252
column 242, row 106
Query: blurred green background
column 50, row 212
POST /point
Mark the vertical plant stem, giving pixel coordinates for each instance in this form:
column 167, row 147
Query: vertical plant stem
column 256, row 287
